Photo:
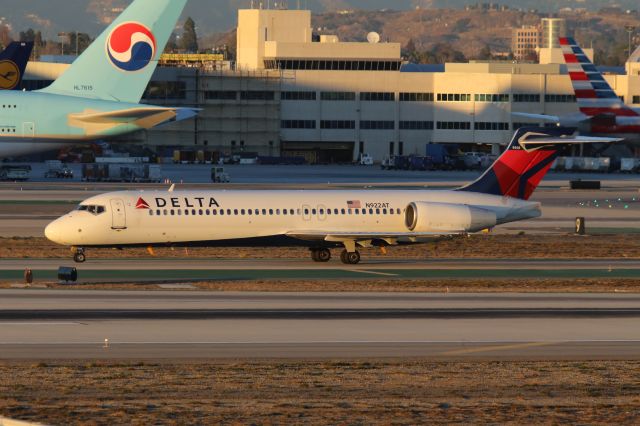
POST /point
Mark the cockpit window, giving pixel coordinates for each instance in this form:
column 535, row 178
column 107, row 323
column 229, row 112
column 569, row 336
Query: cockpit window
column 94, row 210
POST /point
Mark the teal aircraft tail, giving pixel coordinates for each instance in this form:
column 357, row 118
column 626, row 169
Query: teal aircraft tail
column 118, row 65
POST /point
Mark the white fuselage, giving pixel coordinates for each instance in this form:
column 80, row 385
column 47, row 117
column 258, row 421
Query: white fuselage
column 188, row 217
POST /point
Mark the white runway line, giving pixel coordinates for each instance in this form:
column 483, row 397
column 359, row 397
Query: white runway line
column 372, row 272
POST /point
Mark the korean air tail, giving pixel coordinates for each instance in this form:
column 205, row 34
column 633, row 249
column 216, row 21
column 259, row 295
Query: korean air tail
column 594, row 95
column 118, row 65
column 527, row 159
column 13, row 62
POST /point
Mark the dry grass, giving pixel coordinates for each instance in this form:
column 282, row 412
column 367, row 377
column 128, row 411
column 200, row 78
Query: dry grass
column 478, row 246
column 354, row 392
column 387, row 286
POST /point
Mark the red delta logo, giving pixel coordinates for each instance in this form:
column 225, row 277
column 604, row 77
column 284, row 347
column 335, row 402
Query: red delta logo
column 142, row 204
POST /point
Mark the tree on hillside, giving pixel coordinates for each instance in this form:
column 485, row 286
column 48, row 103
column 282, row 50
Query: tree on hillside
column 485, row 53
column 5, row 36
column 411, row 52
column 189, row 41
column 29, row 35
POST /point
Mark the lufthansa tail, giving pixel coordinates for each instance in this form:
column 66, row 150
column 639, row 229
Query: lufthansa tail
column 13, row 62
column 527, row 159
column 118, row 65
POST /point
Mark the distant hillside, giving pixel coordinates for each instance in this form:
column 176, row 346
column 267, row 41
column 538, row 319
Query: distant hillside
column 215, row 16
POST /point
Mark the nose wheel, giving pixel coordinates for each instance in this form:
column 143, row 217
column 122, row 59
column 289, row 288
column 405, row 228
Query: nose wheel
column 79, row 256
column 352, row 258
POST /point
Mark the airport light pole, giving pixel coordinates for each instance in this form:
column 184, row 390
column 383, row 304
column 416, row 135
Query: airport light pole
column 630, row 29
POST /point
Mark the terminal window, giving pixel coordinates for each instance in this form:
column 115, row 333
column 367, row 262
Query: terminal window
column 166, row 90
column 298, row 96
column 453, row 125
column 221, row 95
column 416, row 97
column 337, row 124
column 454, row 97
column 377, row 96
column 298, row 124
column 560, row 98
column 636, row 99
column 483, row 125
column 377, row 125
column 526, row 97
column 491, row 98
column 416, row 125
column 331, row 65
column 338, row 96
column 257, row 95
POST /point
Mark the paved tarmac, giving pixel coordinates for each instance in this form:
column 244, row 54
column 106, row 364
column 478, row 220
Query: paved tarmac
column 158, row 269
column 45, row 324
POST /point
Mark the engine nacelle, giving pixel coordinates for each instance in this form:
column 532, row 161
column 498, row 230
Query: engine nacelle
column 441, row 217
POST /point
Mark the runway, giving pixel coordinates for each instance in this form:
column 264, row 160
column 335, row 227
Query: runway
column 166, row 269
column 45, row 324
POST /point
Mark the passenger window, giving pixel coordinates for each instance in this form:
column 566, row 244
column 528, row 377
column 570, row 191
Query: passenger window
column 179, row 212
column 235, row 212
column 356, row 211
column 257, row 212
column 158, row 213
column 364, row 211
column 285, row 212
column 264, row 212
column 270, row 212
column 214, row 212
column 343, row 211
column 193, row 212
column 221, row 212
column 314, row 211
column 173, row 212
column 292, row 212
column 228, row 212
column 371, row 211
column 166, row 213
column 243, row 212
column 278, row 212
column 150, row 212
column 186, row 212
column 306, row 211
column 250, row 212
column 384, row 211
column 399, row 212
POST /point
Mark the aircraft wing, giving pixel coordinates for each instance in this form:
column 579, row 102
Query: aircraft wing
column 364, row 239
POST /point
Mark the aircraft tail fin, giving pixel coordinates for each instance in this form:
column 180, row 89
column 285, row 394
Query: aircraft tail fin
column 594, row 95
column 120, row 62
column 527, row 159
column 13, row 62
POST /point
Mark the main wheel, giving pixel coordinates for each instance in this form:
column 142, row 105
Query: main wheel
column 79, row 257
column 323, row 255
column 350, row 258
column 314, row 255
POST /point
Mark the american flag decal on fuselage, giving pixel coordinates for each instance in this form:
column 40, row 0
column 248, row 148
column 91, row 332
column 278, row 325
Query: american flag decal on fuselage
column 354, row 204
column 593, row 94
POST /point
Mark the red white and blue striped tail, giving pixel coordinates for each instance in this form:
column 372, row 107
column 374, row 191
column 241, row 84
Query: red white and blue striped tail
column 594, row 95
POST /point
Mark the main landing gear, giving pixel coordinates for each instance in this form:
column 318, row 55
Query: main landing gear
column 323, row 255
column 320, row 255
column 350, row 258
column 79, row 256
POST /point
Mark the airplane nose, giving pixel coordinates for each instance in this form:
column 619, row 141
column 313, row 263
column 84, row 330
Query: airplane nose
column 53, row 232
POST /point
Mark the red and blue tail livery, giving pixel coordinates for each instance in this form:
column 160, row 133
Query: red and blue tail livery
column 525, row 162
column 593, row 94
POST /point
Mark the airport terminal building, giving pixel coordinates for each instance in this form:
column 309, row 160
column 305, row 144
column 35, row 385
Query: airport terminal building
column 291, row 93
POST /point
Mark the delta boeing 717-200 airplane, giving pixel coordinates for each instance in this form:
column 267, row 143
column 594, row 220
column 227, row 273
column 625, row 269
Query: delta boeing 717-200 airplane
column 98, row 96
column 320, row 219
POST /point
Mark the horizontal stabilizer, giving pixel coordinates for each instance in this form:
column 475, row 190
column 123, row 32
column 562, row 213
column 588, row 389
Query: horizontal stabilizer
column 96, row 122
column 542, row 117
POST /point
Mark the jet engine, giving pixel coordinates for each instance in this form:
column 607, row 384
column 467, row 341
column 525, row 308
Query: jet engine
column 442, row 217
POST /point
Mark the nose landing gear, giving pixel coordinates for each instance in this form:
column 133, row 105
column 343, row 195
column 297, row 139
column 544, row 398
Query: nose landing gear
column 79, row 256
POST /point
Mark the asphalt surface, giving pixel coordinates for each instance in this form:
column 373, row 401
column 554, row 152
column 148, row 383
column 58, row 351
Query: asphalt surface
column 164, row 270
column 45, row 324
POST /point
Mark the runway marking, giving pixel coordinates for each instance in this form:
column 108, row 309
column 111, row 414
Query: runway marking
column 38, row 323
column 362, row 271
column 499, row 348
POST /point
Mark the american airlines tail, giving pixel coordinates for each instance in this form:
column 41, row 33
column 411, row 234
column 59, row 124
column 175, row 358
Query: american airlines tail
column 525, row 162
column 594, row 95
column 119, row 64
